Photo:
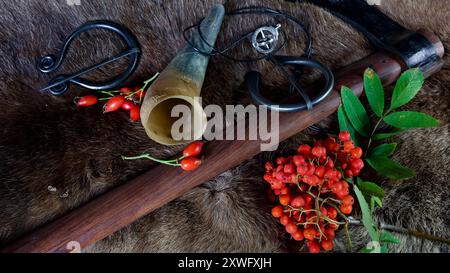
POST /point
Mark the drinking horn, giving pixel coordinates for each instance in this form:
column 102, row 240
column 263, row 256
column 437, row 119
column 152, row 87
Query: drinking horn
column 179, row 84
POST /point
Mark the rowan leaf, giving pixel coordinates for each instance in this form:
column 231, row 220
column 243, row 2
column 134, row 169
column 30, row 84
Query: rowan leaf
column 386, row 150
column 410, row 119
column 374, row 91
column 366, row 215
column 389, row 168
column 344, row 124
column 366, row 250
column 355, row 111
column 406, row 88
column 375, row 200
column 387, row 237
column 381, row 136
column 370, row 189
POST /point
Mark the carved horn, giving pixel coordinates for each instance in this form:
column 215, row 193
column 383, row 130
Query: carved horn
column 179, row 84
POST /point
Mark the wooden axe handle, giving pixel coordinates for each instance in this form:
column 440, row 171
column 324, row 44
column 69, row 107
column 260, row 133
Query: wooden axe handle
column 125, row 204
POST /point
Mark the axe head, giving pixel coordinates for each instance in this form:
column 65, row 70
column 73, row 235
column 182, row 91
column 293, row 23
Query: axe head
column 420, row 49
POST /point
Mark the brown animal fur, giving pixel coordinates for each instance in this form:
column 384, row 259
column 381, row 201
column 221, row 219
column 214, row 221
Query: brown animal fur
column 46, row 141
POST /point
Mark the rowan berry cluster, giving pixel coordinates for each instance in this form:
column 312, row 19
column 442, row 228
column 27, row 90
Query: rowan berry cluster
column 311, row 189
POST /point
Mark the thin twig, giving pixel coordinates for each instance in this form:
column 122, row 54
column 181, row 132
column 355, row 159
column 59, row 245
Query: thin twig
column 402, row 230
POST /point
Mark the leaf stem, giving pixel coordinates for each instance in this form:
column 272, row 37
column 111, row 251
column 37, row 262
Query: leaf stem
column 374, row 131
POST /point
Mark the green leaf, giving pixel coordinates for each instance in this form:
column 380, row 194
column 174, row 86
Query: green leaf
column 366, row 250
column 355, row 111
column 384, row 249
column 374, row 91
column 344, row 124
column 386, row 150
column 381, row 136
column 375, row 200
column 389, row 168
column 410, row 119
column 409, row 83
column 373, row 249
column 366, row 215
column 370, row 189
column 387, row 237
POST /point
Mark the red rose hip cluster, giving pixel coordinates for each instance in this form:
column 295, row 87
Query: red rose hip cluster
column 311, row 189
column 126, row 99
column 189, row 161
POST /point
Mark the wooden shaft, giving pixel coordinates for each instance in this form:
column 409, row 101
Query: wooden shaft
column 125, row 204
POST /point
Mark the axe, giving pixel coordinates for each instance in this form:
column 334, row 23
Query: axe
column 397, row 50
column 412, row 49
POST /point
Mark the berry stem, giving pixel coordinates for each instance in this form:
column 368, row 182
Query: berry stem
column 350, row 244
column 147, row 156
column 143, row 88
column 150, row 80
column 317, row 211
column 110, row 93
column 411, row 232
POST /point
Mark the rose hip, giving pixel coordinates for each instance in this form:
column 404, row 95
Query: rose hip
column 193, row 149
column 190, row 163
column 113, row 104
column 127, row 105
column 125, row 91
column 86, row 101
column 135, row 113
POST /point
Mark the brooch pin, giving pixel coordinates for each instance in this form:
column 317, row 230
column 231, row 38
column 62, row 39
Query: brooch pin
column 59, row 84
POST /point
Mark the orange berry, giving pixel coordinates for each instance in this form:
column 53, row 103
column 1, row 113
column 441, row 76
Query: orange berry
column 344, row 136
column 285, row 199
column 327, row 245
column 277, row 211
column 298, row 235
